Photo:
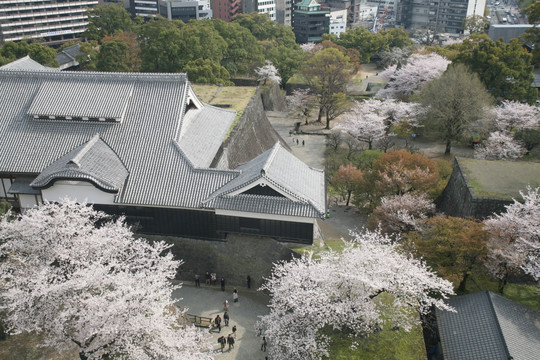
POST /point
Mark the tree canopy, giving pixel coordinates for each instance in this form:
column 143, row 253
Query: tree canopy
column 504, row 68
column 341, row 291
column 12, row 51
column 107, row 20
column 82, row 279
column 454, row 101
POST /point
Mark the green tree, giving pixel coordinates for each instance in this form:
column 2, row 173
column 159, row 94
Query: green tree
column 532, row 35
column 455, row 247
column 159, row 40
column 112, row 56
column 200, row 40
column 327, row 72
column 43, row 54
column 475, row 24
column 205, row 71
column 533, row 13
column 87, row 60
column 367, row 43
column 346, row 179
column 277, row 41
column 396, row 37
column 107, row 20
column 243, row 52
column 453, row 101
column 132, row 58
column 505, row 69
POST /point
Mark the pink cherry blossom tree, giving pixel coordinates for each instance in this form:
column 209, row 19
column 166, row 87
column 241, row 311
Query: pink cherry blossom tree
column 400, row 213
column 364, row 122
column 301, row 102
column 339, row 290
column 83, row 280
column 369, row 120
column 405, row 80
column 515, row 238
column 268, row 72
column 500, row 146
column 513, row 115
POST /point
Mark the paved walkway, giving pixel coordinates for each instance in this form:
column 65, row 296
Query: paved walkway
column 208, row 301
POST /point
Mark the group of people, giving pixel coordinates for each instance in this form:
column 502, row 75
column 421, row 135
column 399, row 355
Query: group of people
column 297, row 141
column 229, row 340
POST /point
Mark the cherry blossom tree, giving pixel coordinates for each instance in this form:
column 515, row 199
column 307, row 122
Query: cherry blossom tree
column 83, row 280
column 340, row 291
column 515, row 238
column 401, row 213
column 301, row 102
column 408, row 78
column 364, row 122
column 500, row 146
column 310, row 47
column 268, row 72
column 513, row 115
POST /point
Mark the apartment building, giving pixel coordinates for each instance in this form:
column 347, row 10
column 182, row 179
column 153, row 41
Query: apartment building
column 54, row 21
column 439, row 15
column 226, row 9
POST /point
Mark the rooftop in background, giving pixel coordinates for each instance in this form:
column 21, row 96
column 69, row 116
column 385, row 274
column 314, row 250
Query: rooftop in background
column 500, row 179
column 26, row 63
column 507, row 32
column 487, row 326
column 67, row 58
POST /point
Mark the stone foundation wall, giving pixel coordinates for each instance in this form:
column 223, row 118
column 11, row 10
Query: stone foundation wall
column 458, row 199
column 235, row 258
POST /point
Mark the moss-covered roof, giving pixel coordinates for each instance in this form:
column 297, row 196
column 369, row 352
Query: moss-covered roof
column 500, row 179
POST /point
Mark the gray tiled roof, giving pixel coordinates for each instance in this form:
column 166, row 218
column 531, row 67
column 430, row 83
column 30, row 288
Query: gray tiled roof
column 68, row 55
column 159, row 174
column 203, row 132
column 265, row 204
column 285, row 173
column 93, row 161
column 86, row 97
column 21, row 185
column 488, row 326
column 25, row 63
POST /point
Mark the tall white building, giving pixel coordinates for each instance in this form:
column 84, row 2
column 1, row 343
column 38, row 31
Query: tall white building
column 54, row 21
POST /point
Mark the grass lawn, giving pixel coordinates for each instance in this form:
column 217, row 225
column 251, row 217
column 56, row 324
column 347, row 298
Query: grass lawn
column 500, row 179
column 526, row 295
column 388, row 343
column 24, row 346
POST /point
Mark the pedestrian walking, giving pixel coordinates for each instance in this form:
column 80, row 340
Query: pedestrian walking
column 303, row 142
column 222, row 281
column 226, row 305
column 226, row 318
column 234, row 330
column 222, row 342
column 230, row 341
column 218, row 323
column 207, row 278
column 249, row 282
column 197, row 280
column 235, row 295
column 263, row 344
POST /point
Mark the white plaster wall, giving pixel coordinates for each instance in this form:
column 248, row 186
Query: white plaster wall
column 80, row 191
column 27, row 201
column 476, row 7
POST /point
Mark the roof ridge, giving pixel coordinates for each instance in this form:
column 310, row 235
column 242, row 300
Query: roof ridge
column 96, row 75
column 179, row 148
column 499, row 329
column 270, row 159
column 86, row 147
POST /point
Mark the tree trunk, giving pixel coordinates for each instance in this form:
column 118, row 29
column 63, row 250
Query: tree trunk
column 83, row 356
column 462, row 285
column 370, row 145
column 327, row 120
column 448, row 147
column 319, row 117
column 348, row 197
column 501, row 285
